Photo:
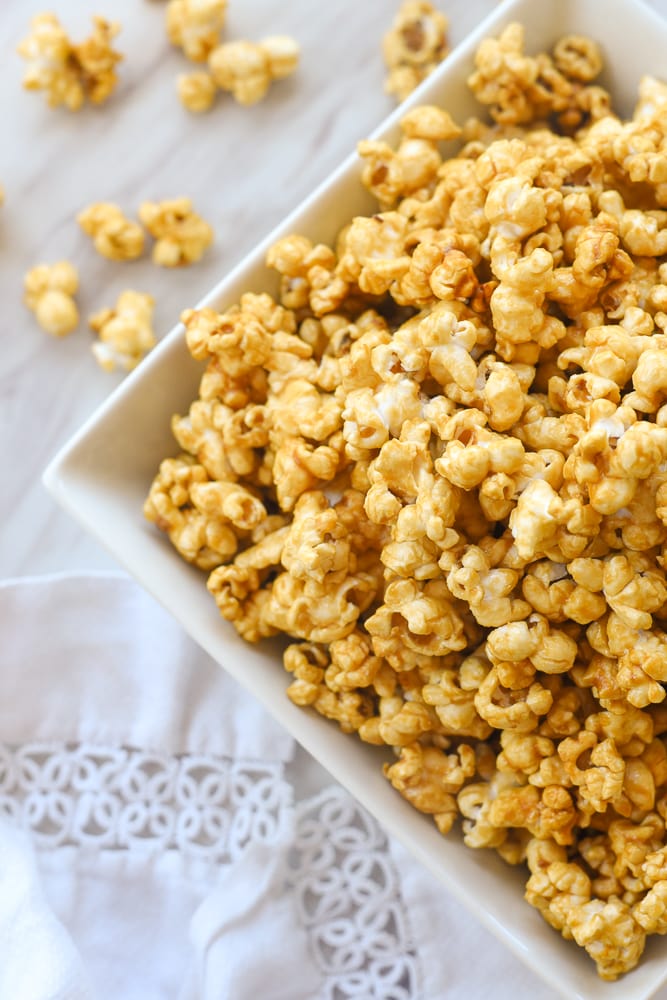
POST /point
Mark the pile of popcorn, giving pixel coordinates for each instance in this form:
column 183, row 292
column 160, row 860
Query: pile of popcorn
column 437, row 463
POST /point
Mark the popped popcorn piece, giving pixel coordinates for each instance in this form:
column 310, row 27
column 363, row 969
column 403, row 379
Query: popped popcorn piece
column 196, row 91
column 474, row 802
column 222, row 438
column 546, row 812
column 350, row 709
column 578, row 57
column 452, row 694
column 202, row 539
column 50, row 68
column 416, row 620
column 651, row 911
column 237, row 588
column 414, row 46
column 512, row 700
column 247, row 69
column 555, row 886
column 125, row 332
column 610, row 935
column 195, row 26
column 308, row 275
column 429, row 779
column 601, row 783
column 70, row 74
column 181, row 235
column 390, row 175
column 114, row 236
column 96, row 61
column 488, row 590
column 49, row 293
column 326, row 585
column 427, row 121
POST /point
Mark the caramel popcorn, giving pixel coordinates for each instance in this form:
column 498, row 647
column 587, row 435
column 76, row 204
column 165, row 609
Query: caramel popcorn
column 196, row 91
column 125, row 332
column 70, row 74
column 49, row 293
column 247, row 69
column 195, row 26
column 114, row 236
column 437, row 463
column 181, row 235
column 413, row 47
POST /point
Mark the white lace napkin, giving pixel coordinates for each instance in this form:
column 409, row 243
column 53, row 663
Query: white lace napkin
column 162, row 837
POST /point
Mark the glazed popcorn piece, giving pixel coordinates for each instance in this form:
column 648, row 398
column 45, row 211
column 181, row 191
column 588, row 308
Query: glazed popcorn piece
column 195, row 26
column 430, row 779
column 247, row 69
column 51, row 66
column 196, row 91
column 49, row 293
column 125, row 332
column 451, row 427
column 68, row 73
column 181, row 235
column 200, row 538
column 114, row 236
column 413, row 47
column 610, row 935
column 97, row 61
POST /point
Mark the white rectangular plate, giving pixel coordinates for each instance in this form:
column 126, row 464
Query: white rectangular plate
column 103, row 475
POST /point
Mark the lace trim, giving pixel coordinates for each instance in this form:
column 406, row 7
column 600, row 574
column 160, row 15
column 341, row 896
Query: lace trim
column 346, row 887
column 108, row 797
column 349, row 899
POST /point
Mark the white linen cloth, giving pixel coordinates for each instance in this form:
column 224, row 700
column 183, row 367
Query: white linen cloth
column 159, row 839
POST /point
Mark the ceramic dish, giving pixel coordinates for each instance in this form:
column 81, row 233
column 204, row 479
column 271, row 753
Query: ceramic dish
column 102, row 477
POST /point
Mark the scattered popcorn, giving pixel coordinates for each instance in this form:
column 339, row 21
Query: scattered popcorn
column 70, row 74
column 125, row 332
column 49, row 293
column 247, row 69
column 114, row 236
column 195, row 26
column 414, row 46
column 196, row 91
column 437, row 463
column 181, row 235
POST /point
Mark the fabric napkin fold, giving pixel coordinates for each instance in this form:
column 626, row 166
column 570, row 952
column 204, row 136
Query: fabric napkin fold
column 247, row 938
column 38, row 960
